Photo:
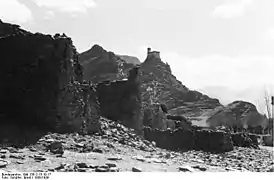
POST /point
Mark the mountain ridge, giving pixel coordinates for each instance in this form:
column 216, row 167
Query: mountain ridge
column 158, row 84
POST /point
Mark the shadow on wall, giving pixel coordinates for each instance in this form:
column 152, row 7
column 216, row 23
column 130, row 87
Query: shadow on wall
column 121, row 100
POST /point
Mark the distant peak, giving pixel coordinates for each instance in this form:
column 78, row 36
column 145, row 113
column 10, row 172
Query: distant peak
column 97, row 48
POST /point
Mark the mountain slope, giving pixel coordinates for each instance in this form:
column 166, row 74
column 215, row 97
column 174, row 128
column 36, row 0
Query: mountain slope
column 130, row 59
column 237, row 113
column 100, row 65
column 158, row 84
column 157, row 75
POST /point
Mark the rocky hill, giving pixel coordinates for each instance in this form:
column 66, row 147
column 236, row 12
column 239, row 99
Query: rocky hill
column 100, row 65
column 130, row 59
column 237, row 113
column 158, row 84
column 167, row 89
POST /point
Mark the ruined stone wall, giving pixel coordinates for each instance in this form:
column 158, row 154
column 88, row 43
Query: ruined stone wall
column 40, row 77
column 199, row 139
column 244, row 140
column 121, row 101
column 154, row 117
column 183, row 139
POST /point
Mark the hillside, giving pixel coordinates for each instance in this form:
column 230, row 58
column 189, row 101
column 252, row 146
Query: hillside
column 158, row 84
column 130, row 59
column 237, row 113
column 100, row 65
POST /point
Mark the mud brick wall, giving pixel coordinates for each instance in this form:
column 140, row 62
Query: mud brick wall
column 39, row 75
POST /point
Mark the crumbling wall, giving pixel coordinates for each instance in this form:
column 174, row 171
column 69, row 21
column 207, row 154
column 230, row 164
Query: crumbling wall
column 245, row 140
column 183, row 139
column 121, row 101
column 154, row 117
column 40, row 81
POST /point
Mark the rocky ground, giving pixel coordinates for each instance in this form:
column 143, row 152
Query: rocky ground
column 118, row 149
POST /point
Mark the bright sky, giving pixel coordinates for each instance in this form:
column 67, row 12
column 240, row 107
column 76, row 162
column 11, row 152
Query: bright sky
column 224, row 48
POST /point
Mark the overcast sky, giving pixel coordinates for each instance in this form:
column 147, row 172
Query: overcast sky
column 224, row 48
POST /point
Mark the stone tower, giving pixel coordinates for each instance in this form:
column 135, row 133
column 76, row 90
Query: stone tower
column 148, row 50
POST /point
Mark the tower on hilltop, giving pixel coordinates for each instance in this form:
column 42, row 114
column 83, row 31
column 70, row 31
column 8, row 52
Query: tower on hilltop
column 155, row 54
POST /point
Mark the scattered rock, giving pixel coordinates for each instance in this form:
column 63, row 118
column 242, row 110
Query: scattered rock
column 39, row 158
column 97, row 150
column 104, row 167
column 81, row 140
column 136, row 169
column 62, row 166
column 230, row 169
column 16, row 156
column 114, row 158
column 111, row 165
column 100, row 169
column 32, row 149
column 82, row 165
column 93, row 166
column 199, row 167
column 3, row 151
column 168, row 155
column 186, row 169
column 50, row 140
column 3, row 163
column 19, row 162
column 12, row 150
column 56, row 147
column 155, row 160
column 110, row 145
column 140, row 158
column 59, row 156
column 87, row 148
column 271, row 170
column 80, row 145
column 114, row 169
column 82, row 170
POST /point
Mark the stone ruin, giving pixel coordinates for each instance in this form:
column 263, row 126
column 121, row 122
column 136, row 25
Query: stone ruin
column 41, row 83
column 186, row 139
column 42, row 86
column 200, row 139
column 121, row 101
column 155, row 117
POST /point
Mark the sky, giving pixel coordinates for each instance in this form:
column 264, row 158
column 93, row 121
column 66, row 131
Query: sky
column 224, row 48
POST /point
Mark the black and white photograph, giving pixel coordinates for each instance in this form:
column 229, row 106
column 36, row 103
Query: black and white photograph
column 147, row 86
